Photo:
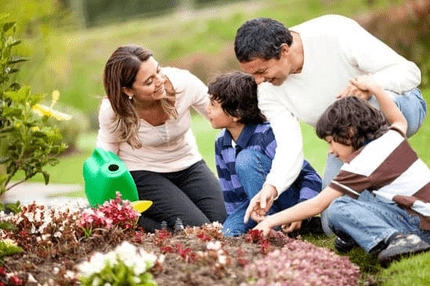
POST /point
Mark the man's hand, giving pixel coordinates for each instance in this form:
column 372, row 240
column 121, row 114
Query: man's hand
column 352, row 89
column 261, row 203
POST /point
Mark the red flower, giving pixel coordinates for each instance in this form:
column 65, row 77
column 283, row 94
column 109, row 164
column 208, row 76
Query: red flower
column 13, row 280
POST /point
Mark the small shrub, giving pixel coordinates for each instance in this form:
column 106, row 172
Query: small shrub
column 28, row 142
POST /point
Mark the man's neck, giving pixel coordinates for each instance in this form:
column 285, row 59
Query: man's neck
column 297, row 54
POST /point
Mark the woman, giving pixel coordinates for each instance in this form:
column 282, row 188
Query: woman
column 145, row 120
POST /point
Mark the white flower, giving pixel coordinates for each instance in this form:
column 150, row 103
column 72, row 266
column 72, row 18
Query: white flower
column 222, row 259
column 96, row 264
column 214, row 245
column 85, row 269
column 96, row 281
column 126, row 252
column 110, row 258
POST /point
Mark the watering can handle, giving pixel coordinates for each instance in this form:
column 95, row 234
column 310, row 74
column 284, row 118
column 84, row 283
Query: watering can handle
column 103, row 154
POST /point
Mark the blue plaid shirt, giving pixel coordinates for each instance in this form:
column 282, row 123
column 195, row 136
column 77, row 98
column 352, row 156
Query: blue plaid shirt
column 257, row 137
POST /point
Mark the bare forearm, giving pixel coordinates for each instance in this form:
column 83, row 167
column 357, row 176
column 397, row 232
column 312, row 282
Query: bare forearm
column 298, row 212
column 388, row 107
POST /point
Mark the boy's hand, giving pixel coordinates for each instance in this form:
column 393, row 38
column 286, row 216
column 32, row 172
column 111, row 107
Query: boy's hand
column 260, row 204
column 292, row 226
column 365, row 83
column 360, row 86
column 264, row 226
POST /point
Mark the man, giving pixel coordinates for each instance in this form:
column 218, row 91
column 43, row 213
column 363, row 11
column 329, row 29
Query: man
column 302, row 70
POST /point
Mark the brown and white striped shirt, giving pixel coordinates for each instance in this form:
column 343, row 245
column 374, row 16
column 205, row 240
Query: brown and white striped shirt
column 389, row 168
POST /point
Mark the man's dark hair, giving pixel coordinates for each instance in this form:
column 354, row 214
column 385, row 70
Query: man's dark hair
column 261, row 38
column 351, row 121
column 237, row 93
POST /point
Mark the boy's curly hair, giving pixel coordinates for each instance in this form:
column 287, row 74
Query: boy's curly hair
column 351, row 121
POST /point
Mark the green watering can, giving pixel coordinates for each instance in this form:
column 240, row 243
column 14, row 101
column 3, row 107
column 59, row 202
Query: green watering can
column 104, row 175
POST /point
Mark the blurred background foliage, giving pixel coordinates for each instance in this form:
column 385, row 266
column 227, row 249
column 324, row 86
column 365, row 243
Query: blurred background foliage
column 69, row 41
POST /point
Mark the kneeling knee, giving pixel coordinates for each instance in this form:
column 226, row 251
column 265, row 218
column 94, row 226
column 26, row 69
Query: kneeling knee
column 336, row 209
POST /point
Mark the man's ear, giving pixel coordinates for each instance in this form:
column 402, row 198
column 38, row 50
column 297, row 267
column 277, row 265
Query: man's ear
column 285, row 49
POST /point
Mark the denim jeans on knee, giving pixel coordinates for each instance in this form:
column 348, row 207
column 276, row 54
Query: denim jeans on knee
column 252, row 168
column 411, row 104
column 370, row 220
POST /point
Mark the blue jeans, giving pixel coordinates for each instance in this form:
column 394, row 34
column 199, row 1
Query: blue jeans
column 252, row 168
column 413, row 107
column 370, row 220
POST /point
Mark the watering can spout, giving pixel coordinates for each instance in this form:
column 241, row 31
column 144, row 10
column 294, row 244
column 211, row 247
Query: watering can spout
column 104, row 175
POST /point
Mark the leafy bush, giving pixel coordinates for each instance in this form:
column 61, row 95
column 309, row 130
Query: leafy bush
column 28, row 142
column 411, row 37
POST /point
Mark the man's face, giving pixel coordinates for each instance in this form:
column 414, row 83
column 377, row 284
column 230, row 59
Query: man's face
column 274, row 71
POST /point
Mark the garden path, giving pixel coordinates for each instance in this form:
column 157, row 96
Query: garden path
column 50, row 194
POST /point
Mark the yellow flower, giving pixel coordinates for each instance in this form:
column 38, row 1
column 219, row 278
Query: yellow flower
column 44, row 110
column 55, row 97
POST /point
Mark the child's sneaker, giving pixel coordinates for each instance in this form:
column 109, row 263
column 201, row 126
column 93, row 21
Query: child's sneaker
column 402, row 244
column 344, row 246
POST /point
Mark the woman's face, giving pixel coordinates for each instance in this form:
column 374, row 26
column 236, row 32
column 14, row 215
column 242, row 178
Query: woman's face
column 149, row 83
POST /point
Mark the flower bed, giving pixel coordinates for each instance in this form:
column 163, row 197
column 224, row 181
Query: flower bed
column 73, row 246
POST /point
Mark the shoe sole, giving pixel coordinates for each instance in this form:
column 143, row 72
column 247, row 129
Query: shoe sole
column 386, row 261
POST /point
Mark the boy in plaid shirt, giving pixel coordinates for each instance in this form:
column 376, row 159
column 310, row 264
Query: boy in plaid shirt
column 245, row 149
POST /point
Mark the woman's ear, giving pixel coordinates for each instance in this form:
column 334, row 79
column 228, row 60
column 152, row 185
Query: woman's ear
column 127, row 91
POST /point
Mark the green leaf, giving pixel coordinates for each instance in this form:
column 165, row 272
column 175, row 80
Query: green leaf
column 14, row 43
column 16, row 59
column 14, row 207
column 4, row 159
column 9, row 71
column 45, row 177
column 7, row 26
column 7, row 225
column 15, row 86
